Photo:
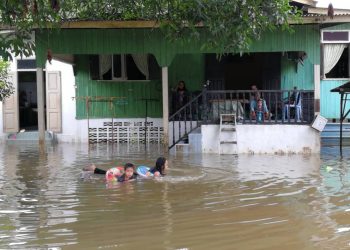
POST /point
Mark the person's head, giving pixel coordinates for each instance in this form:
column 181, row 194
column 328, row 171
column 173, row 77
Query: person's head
column 260, row 103
column 253, row 87
column 129, row 169
column 161, row 165
column 181, row 85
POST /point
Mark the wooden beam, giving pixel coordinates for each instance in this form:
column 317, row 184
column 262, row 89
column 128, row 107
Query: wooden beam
column 322, row 20
column 109, row 24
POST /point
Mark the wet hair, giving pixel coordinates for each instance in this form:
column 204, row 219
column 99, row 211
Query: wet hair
column 160, row 165
column 129, row 165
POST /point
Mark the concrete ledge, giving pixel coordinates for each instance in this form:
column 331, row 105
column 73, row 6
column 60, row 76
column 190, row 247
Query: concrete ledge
column 29, row 136
column 266, row 139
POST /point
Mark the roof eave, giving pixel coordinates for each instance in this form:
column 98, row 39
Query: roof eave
column 322, row 19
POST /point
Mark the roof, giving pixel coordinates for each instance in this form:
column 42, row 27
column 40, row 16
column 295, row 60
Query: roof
column 324, row 11
column 320, row 15
column 345, row 88
column 305, row 2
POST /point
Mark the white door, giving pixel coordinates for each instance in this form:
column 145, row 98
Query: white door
column 10, row 108
column 53, row 101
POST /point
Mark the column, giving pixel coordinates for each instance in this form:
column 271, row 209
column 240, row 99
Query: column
column 165, row 93
column 317, row 87
column 41, row 100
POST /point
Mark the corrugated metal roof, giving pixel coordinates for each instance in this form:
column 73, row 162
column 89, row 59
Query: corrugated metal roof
column 324, row 15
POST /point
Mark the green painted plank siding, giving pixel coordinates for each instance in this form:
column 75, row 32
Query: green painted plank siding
column 189, row 68
column 293, row 74
column 184, row 67
column 116, row 41
column 128, row 107
column 343, row 26
column 330, row 102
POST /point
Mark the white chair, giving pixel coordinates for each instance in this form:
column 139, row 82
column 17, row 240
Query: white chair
column 297, row 105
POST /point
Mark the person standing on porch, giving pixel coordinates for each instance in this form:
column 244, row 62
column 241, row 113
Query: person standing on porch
column 179, row 96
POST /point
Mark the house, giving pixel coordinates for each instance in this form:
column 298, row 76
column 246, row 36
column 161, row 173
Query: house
column 119, row 75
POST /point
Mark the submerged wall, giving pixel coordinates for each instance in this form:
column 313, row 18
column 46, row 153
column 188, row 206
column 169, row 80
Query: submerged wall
column 266, row 139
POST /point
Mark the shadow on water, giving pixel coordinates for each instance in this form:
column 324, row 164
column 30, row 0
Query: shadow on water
column 205, row 201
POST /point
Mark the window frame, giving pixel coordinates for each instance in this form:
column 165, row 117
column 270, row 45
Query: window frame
column 335, row 41
column 323, row 42
column 123, row 69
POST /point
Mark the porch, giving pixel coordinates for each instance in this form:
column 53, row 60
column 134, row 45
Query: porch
column 195, row 127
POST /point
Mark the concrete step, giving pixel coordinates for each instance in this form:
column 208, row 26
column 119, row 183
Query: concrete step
column 332, row 130
column 30, row 136
column 182, row 147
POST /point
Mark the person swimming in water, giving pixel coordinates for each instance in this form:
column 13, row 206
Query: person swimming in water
column 129, row 173
column 160, row 168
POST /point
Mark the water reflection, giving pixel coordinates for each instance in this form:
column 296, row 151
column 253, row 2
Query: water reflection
column 205, row 202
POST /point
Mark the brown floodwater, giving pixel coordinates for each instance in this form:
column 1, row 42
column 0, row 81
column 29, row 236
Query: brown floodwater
column 205, row 201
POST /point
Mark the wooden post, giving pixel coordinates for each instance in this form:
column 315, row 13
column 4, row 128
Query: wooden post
column 341, row 122
column 317, row 87
column 165, row 93
column 41, row 110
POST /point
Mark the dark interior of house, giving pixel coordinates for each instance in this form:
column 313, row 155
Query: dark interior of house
column 239, row 72
column 27, row 97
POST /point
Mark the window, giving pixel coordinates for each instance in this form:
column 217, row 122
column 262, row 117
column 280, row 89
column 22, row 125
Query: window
column 341, row 69
column 335, row 54
column 26, row 64
column 122, row 67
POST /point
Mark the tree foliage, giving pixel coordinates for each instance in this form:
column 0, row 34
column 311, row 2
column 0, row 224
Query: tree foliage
column 230, row 25
column 6, row 86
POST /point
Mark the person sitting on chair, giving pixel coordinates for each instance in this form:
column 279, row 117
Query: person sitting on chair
column 259, row 111
column 254, row 103
column 293, row 102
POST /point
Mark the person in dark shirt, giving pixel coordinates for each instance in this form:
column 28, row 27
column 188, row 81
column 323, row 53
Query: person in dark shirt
column 179, row 96
column 160, row 168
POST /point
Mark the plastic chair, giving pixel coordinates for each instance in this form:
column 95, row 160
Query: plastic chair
column 297, row 105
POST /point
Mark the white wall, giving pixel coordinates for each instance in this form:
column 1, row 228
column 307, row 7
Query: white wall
column 71, row 128
column 12, row 69
column 266, row 139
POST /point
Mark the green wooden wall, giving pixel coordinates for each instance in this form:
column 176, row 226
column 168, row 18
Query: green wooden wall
column 296, row 74
column 343, row 26
column 186, row 67
column 330, row 102
column 116, row 41
column 189, row 68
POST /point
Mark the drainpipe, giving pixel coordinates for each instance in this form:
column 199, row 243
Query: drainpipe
column 41, row 111
column 165, row 93
column 317, row 83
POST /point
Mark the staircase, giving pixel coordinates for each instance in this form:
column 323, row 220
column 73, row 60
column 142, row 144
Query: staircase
column 228, row 134
column 184, row 121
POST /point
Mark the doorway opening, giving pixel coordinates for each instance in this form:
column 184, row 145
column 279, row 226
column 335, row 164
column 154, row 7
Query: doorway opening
column 28, row 101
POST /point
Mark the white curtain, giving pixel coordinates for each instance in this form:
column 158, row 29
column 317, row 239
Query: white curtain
column 105, row 64
column 331, row 55
column 141, row 61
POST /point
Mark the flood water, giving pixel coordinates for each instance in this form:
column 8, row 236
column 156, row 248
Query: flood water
column 205, row 201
